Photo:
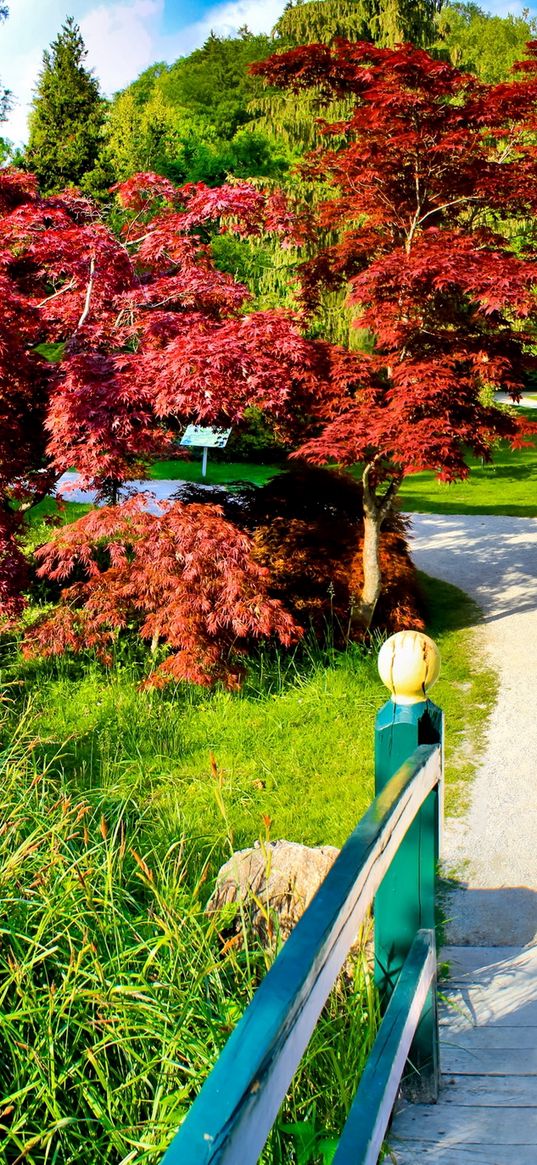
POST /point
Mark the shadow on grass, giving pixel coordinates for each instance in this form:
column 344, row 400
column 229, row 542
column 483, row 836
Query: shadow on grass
column 445, row 607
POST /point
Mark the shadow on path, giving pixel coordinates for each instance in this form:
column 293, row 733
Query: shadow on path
column 505, row 916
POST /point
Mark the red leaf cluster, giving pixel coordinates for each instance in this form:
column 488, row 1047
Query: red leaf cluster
column 183, row 577
column 150, row 334
column 430, row 169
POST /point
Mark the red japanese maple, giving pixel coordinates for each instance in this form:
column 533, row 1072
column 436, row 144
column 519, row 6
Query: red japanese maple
column 183, row 577
column 150, row 336
column 428, row 173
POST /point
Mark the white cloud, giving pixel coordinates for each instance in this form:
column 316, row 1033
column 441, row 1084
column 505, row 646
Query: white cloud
column 503, row 8
column 226, row 19
column 120, row 39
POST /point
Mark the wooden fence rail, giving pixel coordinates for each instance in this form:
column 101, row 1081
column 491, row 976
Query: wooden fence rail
column 231, row 1118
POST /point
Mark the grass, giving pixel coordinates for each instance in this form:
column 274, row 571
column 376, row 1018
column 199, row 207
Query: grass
column 115, row 996
column 508, row 486
column 119, row 805
column 48, row 514
column 300, row 733
column 115, row 993
column 218, row 472
column 467, row 688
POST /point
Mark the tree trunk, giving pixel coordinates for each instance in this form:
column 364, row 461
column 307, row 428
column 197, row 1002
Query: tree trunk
column 376, row 508
column 372, row 584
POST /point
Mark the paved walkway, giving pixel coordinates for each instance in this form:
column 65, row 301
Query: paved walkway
column 494, row 848
column 162, row 490
column 487, row 1108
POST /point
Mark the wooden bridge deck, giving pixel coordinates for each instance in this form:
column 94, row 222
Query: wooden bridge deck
column 487, row 1111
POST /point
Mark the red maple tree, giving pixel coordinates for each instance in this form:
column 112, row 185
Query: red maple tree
column 149, row 335
column 428, row 173
column 183, row 577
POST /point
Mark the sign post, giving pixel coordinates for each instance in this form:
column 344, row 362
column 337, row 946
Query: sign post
column 205, row 437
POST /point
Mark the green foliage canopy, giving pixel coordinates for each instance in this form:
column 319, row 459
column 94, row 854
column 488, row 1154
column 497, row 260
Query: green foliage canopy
column 478, row 42
column 387, row 22
column 187, row 120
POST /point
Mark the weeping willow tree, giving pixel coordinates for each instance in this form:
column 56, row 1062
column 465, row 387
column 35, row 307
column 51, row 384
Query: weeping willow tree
column 387, row 22
column 294, row 118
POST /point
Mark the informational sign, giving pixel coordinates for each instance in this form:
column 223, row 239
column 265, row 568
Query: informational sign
column 205, row 437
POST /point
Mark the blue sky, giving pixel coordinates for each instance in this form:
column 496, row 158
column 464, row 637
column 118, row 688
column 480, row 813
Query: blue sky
column 125, row 36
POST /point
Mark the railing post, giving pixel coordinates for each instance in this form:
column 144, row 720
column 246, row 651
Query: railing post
column 409, row 663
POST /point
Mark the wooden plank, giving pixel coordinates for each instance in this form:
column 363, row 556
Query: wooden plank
column 495, row 1091
column 230, row 1120
column 371, row 1109
column 451, row 1124
column 503, row 1008
column 500, row 1039
column 488, row 1062
column 487, row 1110
column 483, row 962
column 421, row 1153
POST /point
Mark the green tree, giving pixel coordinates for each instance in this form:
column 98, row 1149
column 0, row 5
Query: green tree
column 189, row 121
column 67, row 117
column 386, row 22
column 477, row 42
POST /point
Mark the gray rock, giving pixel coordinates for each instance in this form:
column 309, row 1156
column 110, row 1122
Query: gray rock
column 275, row 881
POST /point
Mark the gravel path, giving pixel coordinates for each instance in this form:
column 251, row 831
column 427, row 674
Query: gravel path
column 494, row 849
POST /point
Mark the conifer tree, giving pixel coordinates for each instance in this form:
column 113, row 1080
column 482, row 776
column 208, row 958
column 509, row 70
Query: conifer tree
column 67, row 115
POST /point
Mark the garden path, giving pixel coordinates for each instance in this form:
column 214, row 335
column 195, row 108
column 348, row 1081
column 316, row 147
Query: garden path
column 486, row 1112
column 493, row 848
column 162, row 490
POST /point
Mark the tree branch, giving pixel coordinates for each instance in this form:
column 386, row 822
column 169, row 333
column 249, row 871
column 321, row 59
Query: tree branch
column 66, row 287
column 446, row 206
column 89, row 290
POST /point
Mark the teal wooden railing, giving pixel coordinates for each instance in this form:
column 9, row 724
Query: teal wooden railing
column 392, row 856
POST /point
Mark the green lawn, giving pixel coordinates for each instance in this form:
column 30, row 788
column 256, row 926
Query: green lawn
column 218, row 472
column 296, row 744
column 508, row 486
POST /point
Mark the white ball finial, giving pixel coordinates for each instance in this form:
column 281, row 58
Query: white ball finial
column 409, row 664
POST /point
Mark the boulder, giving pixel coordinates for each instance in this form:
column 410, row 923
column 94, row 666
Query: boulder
column 275, row 881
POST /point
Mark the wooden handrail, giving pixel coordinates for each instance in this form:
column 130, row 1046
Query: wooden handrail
column 230, row 1120
column 362, row 1137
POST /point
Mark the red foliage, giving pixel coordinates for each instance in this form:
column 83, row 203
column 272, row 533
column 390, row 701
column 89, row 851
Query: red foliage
column 308, row 533
column 432, row 163
column 183, row 577
column 152, row 335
